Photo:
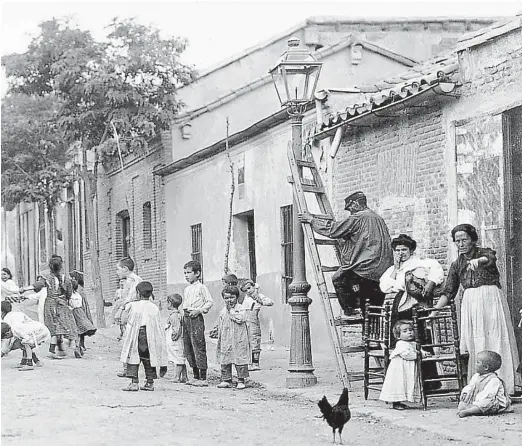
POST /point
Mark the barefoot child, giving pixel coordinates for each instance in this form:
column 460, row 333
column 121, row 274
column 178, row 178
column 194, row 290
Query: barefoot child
column 144, row 340
column 196, row 302
column 252, row 304
column 402, row 381
column 174, row 338
column 485, row 394
column 233, row 345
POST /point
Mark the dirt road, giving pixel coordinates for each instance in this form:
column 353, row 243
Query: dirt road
column 80, row 402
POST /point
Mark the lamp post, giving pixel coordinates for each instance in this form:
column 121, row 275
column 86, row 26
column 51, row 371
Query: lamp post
column 295, row 77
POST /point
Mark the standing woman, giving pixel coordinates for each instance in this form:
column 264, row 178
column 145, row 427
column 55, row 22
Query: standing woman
column 58, row 317
column 485, row 319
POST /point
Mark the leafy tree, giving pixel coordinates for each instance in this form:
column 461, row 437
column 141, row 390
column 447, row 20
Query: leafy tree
column 33, row 154
column 127, row 83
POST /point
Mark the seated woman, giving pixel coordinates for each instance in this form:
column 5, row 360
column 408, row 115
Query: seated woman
column 411, row 282
column 410, row 271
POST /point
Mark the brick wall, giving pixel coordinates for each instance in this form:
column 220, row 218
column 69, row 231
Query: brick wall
column 399, row 164
column 129, row 191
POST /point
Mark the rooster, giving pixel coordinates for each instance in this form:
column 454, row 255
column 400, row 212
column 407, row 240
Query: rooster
column 338, row 415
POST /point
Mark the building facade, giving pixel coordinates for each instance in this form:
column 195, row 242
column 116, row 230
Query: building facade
column 448, row 152
column 198, row 181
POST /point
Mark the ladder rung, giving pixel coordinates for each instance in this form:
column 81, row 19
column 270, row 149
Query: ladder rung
column 304, row 163
column 313, row 189
column 323, row 217
column 325, row 241
column 329, row 269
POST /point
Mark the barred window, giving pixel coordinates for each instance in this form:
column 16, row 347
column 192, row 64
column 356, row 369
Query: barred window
column 286, row 250
column 147, row 226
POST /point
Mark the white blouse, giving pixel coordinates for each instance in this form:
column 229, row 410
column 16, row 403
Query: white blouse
column 435, row 274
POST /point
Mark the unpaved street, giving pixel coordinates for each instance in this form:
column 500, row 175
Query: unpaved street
column 80, row 402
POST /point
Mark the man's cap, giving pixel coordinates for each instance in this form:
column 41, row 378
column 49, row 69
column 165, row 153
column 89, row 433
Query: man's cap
column 353, row 197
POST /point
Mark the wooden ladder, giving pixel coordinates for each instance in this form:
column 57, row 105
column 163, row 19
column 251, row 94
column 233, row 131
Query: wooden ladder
column 315, row 187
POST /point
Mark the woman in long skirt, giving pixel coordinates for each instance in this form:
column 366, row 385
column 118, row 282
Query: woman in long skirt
column 485, row 318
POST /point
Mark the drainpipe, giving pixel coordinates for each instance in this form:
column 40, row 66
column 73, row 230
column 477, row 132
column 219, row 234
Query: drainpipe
column 336, row 142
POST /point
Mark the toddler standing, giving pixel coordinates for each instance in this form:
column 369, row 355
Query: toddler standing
column 402, row 381
column 485, row 394
column 196, row 302
column 252, row 304
column 174, row 338
column 233, row 345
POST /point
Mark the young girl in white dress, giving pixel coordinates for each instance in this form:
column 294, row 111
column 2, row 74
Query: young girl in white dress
column 402, row 381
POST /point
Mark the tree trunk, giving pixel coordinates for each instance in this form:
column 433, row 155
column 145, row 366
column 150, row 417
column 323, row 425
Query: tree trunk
column 93, row 245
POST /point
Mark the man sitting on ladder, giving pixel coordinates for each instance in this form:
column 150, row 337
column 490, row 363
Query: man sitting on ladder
column 365, row 253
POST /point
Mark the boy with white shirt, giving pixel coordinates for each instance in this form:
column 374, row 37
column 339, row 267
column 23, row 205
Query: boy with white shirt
column 196, row 302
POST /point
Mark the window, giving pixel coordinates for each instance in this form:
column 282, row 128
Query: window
column 147, row 226
column 286, row 250
column 123, row 235
column 197, row 243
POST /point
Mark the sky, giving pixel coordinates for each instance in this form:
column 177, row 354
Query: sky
column 217, row 30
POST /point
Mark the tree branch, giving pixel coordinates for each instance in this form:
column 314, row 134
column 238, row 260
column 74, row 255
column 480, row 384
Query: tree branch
column 231, row 203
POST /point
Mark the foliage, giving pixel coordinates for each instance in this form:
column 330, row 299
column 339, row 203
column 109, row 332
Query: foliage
column 33, row 153
column 128, row 81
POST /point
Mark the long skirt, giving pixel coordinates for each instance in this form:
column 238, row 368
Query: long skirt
column 486, row 325
column 84, row 325
column 49, row 314
column 65, row 324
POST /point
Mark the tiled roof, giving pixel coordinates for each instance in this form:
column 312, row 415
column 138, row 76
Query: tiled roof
column 364, row 99
column 487, row 33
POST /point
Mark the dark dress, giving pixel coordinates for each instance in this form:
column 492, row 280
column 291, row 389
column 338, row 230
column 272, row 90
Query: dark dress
column 58, row 317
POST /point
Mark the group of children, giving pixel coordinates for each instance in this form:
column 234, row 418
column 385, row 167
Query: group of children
column 65, row 314
column 484, row 395
column 183, row 338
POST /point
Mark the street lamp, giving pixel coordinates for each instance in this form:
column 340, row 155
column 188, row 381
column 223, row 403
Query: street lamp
column 295, row 78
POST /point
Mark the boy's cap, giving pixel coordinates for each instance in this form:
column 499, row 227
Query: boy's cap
column 145, row 288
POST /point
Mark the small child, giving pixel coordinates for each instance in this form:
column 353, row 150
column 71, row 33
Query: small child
column 402, row 381
column 144, row 340
column 125, row 271
column 174, row 338
column 196, row 302
column 485, row 394
column 78, row 305
column 252, row 304
column 233, row 345
column 227, row 279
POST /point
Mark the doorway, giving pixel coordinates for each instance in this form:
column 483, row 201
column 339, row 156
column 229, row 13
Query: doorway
column 245, row 243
